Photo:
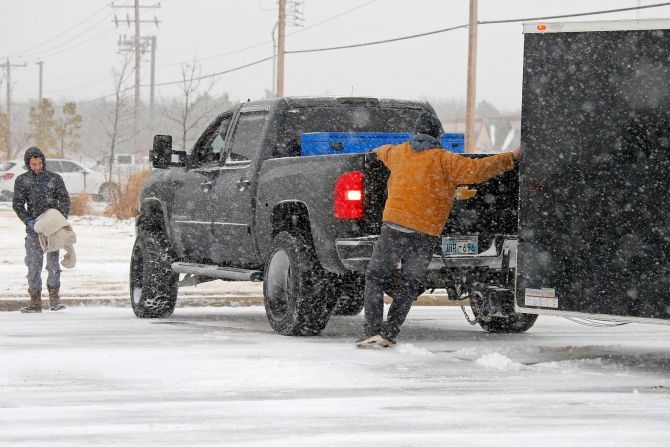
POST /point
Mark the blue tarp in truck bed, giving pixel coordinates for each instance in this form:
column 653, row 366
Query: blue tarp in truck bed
column 329, row 143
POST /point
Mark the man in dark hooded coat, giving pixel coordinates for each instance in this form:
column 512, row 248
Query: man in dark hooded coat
column 35, row 192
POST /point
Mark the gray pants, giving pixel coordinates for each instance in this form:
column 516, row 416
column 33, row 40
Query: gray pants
column 35, row 261
column 413, row 251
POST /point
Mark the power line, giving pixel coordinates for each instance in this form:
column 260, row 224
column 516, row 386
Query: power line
column 59, row 45
column 488, row 22
column 77, row 45
column 260, row 44
column 250, row 64
column 414, row 36
column 331, row 18
column 241, row 27
column 61, row 33
column 581, row 14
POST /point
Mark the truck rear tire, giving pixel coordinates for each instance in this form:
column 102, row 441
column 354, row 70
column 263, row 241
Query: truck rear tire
column 153, row 285
column 296, row 290
column 351, row 295
column 511, row 322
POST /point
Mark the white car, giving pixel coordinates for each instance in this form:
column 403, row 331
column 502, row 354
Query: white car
column 78, row 179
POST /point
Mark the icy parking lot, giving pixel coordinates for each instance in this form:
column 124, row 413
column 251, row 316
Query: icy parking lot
column 220, row 376
column 215, row 376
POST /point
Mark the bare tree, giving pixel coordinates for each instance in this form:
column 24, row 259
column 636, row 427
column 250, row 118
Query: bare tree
column 194, row 104
column 68, row 127
column 4, row 136
column 115, row 118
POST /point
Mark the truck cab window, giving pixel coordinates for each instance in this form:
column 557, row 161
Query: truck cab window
column 209, row 147
column 246, row 136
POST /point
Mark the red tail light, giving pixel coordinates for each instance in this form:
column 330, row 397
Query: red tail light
column 7, row 175
column 348, row 203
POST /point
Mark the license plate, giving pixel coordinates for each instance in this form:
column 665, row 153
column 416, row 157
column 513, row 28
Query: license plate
column 456, row 245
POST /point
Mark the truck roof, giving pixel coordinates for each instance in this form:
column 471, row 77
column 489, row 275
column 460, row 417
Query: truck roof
column 602, row 25
column 297, row 101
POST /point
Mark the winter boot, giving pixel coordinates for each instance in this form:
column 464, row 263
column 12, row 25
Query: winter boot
column 35, row 303
column 54, row 299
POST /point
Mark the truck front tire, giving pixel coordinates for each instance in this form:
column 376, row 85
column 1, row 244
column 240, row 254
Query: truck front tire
column 297, row 293
column 153, row 285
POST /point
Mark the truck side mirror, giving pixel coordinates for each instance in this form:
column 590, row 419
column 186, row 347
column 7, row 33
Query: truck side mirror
column 161, row 152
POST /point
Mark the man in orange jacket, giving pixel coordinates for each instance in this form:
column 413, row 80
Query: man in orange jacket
column 421, row 191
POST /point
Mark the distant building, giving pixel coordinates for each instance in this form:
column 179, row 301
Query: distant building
column 494, row 134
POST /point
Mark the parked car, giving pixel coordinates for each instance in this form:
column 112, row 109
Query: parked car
column 78, row 179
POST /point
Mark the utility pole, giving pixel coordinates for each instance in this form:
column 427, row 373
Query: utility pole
column 274, row 60
column 8, row 78
column 153, row 76
column 281, row 37
column 39, row 96
column 137, row 48
column 470, row 137
column 136, row 109
column 293, row 16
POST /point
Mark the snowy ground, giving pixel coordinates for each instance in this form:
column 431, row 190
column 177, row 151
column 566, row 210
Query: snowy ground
column 220, row 376
column 103, row 252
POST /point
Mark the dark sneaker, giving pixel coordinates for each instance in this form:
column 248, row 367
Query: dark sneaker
column 376, row 341
column 59, row 306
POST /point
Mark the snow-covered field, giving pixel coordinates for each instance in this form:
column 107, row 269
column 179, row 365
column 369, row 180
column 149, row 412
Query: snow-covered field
column 220, row 376
column 103, row 253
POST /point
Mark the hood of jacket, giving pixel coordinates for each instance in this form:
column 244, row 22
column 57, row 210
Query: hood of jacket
column 421, row 142
column 34, row 152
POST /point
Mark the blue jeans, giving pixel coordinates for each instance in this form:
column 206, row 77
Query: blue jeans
column 35, row 260
column 413, row 251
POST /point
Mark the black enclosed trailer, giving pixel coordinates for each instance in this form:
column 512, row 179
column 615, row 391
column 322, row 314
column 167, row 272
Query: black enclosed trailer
column 594, row 218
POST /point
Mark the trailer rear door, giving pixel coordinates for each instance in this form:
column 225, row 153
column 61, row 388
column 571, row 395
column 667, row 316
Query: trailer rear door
column 594, row 215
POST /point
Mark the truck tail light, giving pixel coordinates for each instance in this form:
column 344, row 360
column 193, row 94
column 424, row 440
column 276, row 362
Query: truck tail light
column 348, row 203
column 7, row 175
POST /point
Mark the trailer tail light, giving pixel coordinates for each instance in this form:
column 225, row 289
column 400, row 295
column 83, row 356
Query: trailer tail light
column 7, row 175
column 348, row 203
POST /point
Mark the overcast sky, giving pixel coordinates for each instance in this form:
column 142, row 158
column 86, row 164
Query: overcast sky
column 77, row 41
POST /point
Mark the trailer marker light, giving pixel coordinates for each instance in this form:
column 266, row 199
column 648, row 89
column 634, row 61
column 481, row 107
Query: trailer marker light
column 541, row 27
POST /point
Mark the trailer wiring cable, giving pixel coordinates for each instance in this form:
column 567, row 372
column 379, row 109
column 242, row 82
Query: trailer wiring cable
column 583, row 321
column 596, row 322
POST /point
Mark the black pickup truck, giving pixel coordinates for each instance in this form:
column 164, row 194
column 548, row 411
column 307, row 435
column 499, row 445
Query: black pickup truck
column 244, row 205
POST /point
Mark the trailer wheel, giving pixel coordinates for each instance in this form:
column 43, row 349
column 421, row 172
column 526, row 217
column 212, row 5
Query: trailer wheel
column 484, row 302
column 297, row 292
column 153, row 285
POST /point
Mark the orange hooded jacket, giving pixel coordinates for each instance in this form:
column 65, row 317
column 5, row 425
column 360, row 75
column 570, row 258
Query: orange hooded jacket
column 422, row 184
